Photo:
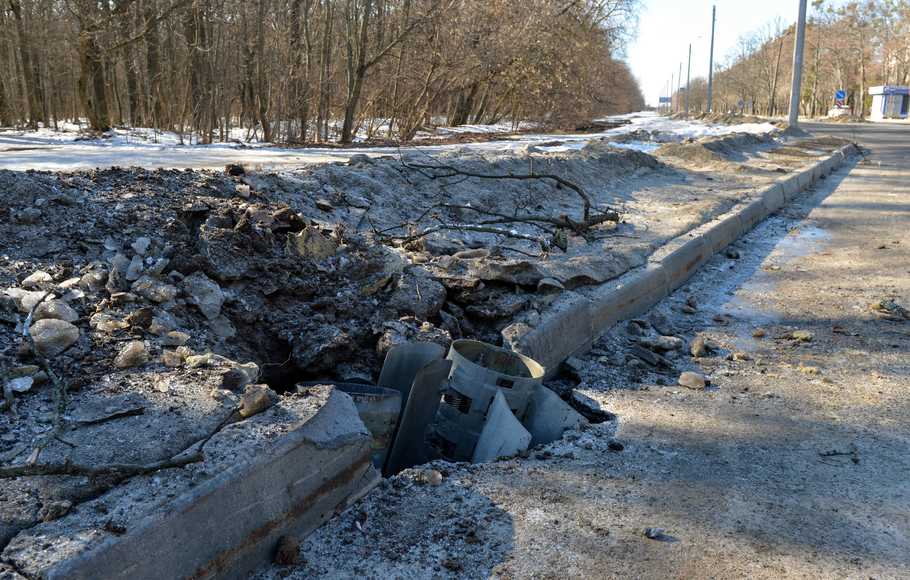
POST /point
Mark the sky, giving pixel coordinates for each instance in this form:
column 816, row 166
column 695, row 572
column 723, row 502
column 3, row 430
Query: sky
column 666, row 27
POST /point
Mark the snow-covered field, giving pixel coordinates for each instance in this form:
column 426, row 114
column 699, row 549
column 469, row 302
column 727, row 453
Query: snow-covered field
column 46, row 149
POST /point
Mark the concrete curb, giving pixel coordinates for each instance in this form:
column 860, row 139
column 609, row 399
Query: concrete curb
column 229, row 525
column 576, row 321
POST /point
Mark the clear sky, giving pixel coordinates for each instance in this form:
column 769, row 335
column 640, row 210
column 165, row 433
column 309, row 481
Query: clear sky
column 666, row 27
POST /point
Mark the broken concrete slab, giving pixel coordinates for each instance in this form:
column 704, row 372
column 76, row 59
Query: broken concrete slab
column 284, row 471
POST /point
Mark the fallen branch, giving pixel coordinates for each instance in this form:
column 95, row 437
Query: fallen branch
column 60, row 388
column 116, row 469
column 452, row 171
column 472, row 228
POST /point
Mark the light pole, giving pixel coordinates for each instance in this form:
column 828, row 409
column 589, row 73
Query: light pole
column 795, row 85
column 711, row 61
column 688, row 75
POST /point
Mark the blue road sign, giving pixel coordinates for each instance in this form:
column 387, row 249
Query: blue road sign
column 665, row 100
column 840, row 95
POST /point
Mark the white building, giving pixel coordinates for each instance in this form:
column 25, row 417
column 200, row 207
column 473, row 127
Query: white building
column 889, row 102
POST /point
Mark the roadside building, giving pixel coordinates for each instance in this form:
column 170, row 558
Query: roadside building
column 889, row 102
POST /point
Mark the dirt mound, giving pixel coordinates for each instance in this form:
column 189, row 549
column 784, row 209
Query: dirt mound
column 714, row 149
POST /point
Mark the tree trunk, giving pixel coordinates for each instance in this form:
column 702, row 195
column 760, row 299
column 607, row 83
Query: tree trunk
column 92, row 86
column 356, row 65
column 28, row 72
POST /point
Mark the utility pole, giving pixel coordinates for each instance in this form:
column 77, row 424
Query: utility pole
column 795, row 86
column 688, row 75
column 678, row 86
column 670, row 106
column 711, row 61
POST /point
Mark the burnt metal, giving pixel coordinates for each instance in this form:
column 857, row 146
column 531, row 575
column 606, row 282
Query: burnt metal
column 479, row 371
column 410, row 442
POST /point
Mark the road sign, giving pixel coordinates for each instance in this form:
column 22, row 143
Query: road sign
column 665, row 100
column 840, row 98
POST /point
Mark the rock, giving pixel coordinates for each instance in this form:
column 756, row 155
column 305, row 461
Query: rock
column 21, row 384
column 662, row 343
column 37, row 279
column 154, row 290
column 686, row 309
column 103, row 322
column 53, row 336
column 234, row 170
column 93, row 281
column 692, row 380
column 418, row 295
column 312, row 244
column 809, row 370
column 691, row 301
column 732, row 253
column 222, row 327
column 54, row 510
column 615, row 446
column 158, row 267
column 802, row 335
column 28, row 216
column 575, row 368
column 698, row 347
column 172, row 358
column 661, row 323
column 134, row 270
column 175, row 338
column 288, row 551
column 132, row 354
column 256, row 399
column 739, row 356
column 141, row 245
column 758, row 333
column 650, row 357
column 360, row 159
column 550, row 286
column 205, row 294
column 56, row 309
column 430, row 477
column 324, row 204
column 239, row 377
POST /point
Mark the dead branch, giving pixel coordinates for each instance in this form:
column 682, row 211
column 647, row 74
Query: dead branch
column 442, row 171
column 115, row 469
column 471, row 228
column 60, row 387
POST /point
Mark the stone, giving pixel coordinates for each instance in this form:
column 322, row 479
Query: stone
column 693, row 380
column 141, row 245
column 172, row 358
column 140, row 318
column 132, row 354
column 93, row 281
column 686, row 309
column 662, row 343
column 56, row 309
column 239, row 377
column 204, row 293
column 418, row 295
column 21, row 384
column 104, row 322
column 802, row 335
column 312, row 244
column 37, row 279
column 256, row 399
column 661, row 323
column 698, row 347
column 732, row 253
column 430, row 477
column 134, row 270
column 53, row 336
column 550, row 286
column 759, row 333
column 222, row 327
column 175, row 338
column 288, row 551
column 158, row 267
column 154, row 290
column 324, row 204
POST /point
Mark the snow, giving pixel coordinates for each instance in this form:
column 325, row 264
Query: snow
column 46, row 149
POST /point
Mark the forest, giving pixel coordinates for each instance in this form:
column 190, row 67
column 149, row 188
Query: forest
column 303, row 71
column 849, row 46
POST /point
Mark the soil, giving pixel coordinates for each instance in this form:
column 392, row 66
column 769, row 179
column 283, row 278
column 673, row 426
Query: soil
column 196, row 274
column 791, row 463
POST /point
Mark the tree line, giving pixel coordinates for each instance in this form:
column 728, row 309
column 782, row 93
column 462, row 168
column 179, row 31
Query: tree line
column 299, row 71
column 850, row 47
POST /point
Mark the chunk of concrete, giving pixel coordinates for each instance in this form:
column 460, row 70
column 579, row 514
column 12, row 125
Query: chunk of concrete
column 502, row 435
